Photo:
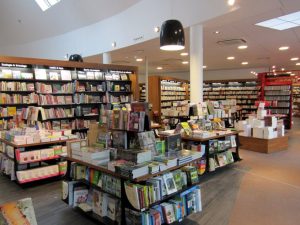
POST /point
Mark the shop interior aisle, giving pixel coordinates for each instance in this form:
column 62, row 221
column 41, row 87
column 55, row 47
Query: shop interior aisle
column 262, row 190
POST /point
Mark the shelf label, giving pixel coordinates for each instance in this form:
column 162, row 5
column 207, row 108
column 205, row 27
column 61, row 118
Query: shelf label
column 120, row 71
column 15, row 65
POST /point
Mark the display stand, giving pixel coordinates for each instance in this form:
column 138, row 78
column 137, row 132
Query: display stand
column 264, row 145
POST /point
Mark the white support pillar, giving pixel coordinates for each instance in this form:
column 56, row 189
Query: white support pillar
column 106, row 58
column 196, row 63
column 146, row 79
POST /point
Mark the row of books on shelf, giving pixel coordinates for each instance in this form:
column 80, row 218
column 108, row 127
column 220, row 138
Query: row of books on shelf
column 120, row 98
column 277, row 88
column 30, row 175
column 165, row 98
column 54, row 88
column 242, row 88
column 86, row 98
column 277, row 98
column 8, row 111
column 156, row 189
column 18, row 99
column 43, row 74
column 230, row 92
column 16, row 86
column 172, row 88
column 172, row 93
column 76, row 124
column 89, row 199
column 50, row 152
column 279, row 111
column 279, row 92
column 55, row 99
column 112, row 86
column 242, row 97
column 90, row 86
column 15, row 74
column 175, row 209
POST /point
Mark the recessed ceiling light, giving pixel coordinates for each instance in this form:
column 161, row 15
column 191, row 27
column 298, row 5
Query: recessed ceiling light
column 185, row 62
column 230, row 2
column 282, row 69
column 217, row 32
column 297, row 64
column 274, row 71
column 159, row 68
column 294, row 59
column 230, row 57
column 289, row 72
column 204, row 67
column 184, row 54
column 244, row 63
column 282, row 22
column 156, row 29
column 243, row 47
column 139, row 60
column 46, row 4
column 292, row 74
column 273, row 67
column 283, row 48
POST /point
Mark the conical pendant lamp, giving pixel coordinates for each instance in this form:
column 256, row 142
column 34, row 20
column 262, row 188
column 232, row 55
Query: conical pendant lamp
column 172, row 36
column 75, row 58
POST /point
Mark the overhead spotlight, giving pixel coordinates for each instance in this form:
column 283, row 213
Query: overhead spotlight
column 184, row 54
column 185, row 62
column 244, row 63
column 156, row 29
column 230, row 57
column 242, row 46
column 159, row 68
column 282, row 69
column 273, row 67
column 217, row 32
column 284, row 48
column 204, row 67
column 295, row 59
column 230, row 2
column 297, row 64
column 139, row 60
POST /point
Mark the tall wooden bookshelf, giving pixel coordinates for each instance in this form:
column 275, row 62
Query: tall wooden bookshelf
column 81, row 94
column 165, row 91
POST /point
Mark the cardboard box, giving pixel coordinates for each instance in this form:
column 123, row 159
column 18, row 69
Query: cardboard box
column 280, row 130
column 261, row 113
column 269, row 133
column 258, row 132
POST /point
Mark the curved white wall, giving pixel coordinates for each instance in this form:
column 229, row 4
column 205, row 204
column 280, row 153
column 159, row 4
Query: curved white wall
column 137, row 21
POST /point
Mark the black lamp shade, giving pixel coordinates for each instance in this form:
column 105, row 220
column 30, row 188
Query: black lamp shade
column 75, row 58
column 172, row 36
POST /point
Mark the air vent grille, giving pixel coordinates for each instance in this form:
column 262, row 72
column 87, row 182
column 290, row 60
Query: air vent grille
column 236, row 41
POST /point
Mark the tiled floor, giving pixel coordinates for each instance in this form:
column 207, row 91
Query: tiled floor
column 261, row 190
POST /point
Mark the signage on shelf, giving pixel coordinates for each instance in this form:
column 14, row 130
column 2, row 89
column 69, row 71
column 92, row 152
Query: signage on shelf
column 14, row 65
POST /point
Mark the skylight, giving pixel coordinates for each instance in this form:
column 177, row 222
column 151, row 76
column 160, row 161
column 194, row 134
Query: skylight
column 282, row 22
column 46, row 4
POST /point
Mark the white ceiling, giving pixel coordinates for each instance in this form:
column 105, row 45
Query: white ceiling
column 23, row 21
column 263, row 42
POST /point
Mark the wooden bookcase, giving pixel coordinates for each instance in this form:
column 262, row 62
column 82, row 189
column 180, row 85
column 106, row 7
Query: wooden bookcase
column 157, row 96
column 30, row 64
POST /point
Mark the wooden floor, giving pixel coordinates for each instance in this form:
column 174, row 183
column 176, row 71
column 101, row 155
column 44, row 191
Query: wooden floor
column 261, row 190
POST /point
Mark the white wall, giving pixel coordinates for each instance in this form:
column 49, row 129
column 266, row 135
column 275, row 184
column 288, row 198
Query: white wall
column 137, row 21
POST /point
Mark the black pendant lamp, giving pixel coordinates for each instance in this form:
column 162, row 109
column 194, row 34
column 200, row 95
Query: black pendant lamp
column 172, row 36
column 75, row 58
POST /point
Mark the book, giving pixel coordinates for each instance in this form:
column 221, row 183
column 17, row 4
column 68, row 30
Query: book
column 80, row 195
column 213, row 146
column 66, row 75
column 168, row 212
column 169, row 183
column 40, row 74
column 119, row 139
column 173, row 143
column 53, row 76
column 177, row 179
column 100, row 203
column 192, row 174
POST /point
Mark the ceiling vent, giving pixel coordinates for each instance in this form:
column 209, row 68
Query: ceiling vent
column 228, row 42
column 120, row 62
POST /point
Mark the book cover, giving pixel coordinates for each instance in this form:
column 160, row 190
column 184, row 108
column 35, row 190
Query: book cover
column 99, row 203
column 80, row 195
column 169, row 183
column 173, row 143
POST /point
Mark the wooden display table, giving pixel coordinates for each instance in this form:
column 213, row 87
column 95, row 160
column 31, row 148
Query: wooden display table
column 264, row 145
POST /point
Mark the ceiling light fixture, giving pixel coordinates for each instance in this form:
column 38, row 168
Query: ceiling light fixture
column 46, row 4
column 204, row 67
column 244, row 63
column 273, row 67
column 217, row 32
column 114, row 44
column 283, row 22
column 159, row 68
column 139, row 60
column 242, row 46
column 185, row 62
column 231, row 2
column 297, row 64
column 284, row 48
column 172, row 36
column 230, row 58
column 184, row 54
column 156, row 29
column 282, row 69
column 295, row 59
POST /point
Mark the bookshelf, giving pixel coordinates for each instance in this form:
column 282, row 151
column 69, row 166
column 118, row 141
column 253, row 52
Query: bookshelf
column 277, row 90
column 244, row 91
column 166, row 93
column 142, row 87
column 29, row 163
column 65, row 90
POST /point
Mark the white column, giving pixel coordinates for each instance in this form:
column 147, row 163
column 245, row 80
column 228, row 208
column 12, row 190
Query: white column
column 146, row 78
column 106, row 58
column 196, row 63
